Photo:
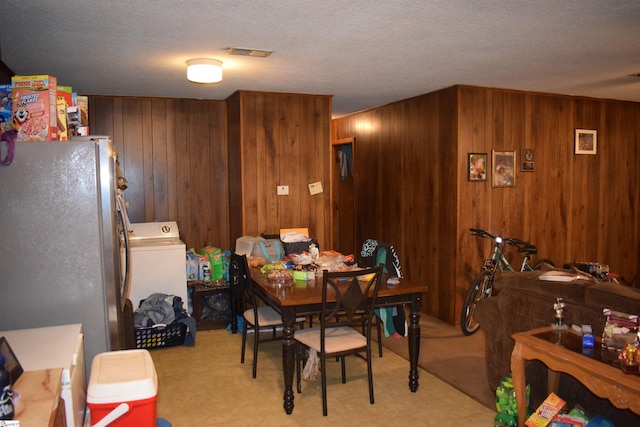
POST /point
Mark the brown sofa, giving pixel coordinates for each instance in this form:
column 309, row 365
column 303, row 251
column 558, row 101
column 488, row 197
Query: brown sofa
column 521, row 302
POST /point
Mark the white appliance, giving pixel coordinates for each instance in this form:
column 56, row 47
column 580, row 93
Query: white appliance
column 56, row 347
column 158, row 261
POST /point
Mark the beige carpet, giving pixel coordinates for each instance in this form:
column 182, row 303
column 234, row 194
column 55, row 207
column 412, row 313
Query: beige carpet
column 206, row 385
column 456, row 359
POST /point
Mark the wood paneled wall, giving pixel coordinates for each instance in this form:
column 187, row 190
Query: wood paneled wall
column 406, row 157
column 412, row 186
column 174, row 156
column 181, row 165
column 573, row 207
column 279, row 139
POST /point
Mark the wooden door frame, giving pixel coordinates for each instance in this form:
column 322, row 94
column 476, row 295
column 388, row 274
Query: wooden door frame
column 334, row 146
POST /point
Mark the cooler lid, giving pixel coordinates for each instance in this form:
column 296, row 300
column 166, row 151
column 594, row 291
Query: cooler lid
column 122, row 376
column 154, row 230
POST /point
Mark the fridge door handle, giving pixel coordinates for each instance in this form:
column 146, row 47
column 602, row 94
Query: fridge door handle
column 126, row 280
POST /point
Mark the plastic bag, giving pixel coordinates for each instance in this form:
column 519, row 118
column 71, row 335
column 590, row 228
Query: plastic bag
column 506, row 404
column 269, row 249
column 312, row 367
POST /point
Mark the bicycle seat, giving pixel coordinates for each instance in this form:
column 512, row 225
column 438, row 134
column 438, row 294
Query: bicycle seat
column 529, row 249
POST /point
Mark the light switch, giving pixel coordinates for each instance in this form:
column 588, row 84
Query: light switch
column 282, row 190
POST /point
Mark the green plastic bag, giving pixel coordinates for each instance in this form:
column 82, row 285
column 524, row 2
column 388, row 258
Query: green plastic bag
column 506, row 404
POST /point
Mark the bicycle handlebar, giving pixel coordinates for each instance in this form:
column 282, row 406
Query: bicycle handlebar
column 520, row 244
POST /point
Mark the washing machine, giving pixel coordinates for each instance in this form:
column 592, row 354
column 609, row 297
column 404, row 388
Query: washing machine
column 158, row 261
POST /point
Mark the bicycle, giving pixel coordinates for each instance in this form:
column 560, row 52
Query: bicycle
column 482, row 285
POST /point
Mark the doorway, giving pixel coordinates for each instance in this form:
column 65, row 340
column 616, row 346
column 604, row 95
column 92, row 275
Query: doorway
column 344, row 212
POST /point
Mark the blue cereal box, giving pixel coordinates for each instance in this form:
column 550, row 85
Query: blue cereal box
column 6, row 112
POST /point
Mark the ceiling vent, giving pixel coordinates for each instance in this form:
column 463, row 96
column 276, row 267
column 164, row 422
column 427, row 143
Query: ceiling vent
column 248, row 52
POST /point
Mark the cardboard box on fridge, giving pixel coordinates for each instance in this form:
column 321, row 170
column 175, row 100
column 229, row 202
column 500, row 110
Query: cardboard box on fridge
column 6, row 112
column 65, row 100
column 83, row 114
column 66, row 92
column 34, row 107
column 63, row 123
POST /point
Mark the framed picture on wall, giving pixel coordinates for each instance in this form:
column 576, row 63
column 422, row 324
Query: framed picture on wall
column 527, row 160
column 477, row 167
column 503, row 172
column 586, row 141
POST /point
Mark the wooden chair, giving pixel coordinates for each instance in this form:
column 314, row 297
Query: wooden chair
column 348, row 299
column 256, row 317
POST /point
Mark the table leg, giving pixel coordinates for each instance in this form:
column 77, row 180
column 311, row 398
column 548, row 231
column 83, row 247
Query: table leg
column 414, row 342
column 519, row 383
column 288, row 355
column 553, row 380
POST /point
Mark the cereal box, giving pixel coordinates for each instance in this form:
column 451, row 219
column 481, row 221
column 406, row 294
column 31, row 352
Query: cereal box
column 66, row 92
column 83, row 110
column 548, row 409
column 63, row 126
column 64, row 101
column 5, row 108
column 34, row 107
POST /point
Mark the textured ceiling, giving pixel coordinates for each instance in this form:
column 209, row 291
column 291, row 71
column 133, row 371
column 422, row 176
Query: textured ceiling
column 363, row 52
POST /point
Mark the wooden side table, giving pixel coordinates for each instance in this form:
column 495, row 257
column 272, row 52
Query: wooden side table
column 561, row 351
column 200, row 289
column 40, row 403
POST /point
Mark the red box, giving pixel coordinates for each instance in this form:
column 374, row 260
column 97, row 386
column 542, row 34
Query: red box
column 34, row 107
column 124, row 385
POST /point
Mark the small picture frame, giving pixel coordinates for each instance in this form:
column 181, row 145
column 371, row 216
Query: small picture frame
column 527, row 162
column 503, row 172
column 586, row 141
column 477, row 170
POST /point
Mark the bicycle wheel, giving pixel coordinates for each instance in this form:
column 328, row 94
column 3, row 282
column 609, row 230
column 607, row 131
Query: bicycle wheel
column 540, row 262
column 480, row 288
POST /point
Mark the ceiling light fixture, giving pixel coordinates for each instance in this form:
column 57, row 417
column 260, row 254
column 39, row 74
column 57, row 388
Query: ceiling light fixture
column 204, row 70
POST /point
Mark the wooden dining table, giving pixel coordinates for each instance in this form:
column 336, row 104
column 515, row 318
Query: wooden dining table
column 305, row 298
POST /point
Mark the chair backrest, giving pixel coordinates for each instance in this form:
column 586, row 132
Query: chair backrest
column 374, row 252
column 349, row 297
column 240, row 281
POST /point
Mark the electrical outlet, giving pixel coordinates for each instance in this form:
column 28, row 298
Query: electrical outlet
column 282, row 190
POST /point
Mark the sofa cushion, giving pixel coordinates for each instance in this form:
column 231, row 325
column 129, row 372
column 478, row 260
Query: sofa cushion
column 528, row 282
column 614, row 296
